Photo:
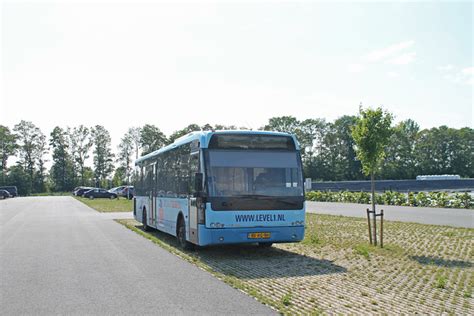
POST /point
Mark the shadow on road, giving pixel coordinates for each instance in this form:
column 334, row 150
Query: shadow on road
column 430, row 260
column 248, row 261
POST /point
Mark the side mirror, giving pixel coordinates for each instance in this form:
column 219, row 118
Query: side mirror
column 198, row 183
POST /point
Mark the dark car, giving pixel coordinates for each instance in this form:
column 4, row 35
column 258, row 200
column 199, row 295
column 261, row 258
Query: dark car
column 81, row 190
column 11, row 189
column 4, row 194
column 99, row 193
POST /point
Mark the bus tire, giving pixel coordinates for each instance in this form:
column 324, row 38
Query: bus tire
column 265, row 244
column 181, row 235
column 144, row 221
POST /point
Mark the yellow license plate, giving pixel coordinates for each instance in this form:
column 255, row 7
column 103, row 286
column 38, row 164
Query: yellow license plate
column 258, row 235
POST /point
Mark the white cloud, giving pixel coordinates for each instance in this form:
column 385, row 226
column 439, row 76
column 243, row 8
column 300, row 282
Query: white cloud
column 356, row 68
column 468, row 71
column 393, row 74
column 448, row 67
column 464, row 76
column 380, row 54
column 403, row 59
column 393, row 54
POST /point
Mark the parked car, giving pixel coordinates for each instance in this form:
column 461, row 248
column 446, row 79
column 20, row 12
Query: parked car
column 117, row 190
column 81, row 190
column 123, row 191
column 99, row 193
column 4, row 194
column 128, row 192
column 11, row 189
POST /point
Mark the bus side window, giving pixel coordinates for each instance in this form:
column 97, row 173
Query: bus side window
column 193, row 169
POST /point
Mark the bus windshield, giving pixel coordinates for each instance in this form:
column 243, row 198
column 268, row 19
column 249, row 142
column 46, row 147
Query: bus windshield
column 244, row 173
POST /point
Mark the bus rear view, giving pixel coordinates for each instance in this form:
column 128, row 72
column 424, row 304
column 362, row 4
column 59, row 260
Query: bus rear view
column 253, row 189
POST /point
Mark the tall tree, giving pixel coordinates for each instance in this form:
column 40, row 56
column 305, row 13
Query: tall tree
column 32, row 147
column 40, row 175
column 151, row 139
column 62, row 173
column 311, row 135
column 371, row 134
column 287, row 124
column 80, row 144
column 463, row 160
column 336, row 158
column 18, row 177
column 188, row 129
column 126, row 148
column 8, row 148
column 135, row 134
column 444, row 150
column 103, row 156
column 400, row 160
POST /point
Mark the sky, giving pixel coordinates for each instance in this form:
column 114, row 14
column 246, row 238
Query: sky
column 124, row 64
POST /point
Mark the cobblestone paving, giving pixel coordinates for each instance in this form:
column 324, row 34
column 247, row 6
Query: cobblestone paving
column 422, row 269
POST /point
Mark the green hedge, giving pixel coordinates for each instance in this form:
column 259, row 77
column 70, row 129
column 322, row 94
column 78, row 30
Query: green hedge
column 432, row 199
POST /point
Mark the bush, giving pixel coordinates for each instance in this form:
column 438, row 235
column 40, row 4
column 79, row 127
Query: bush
column 433, row 199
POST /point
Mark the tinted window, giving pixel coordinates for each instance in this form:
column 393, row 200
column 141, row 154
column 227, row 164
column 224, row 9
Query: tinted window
column 251, row 141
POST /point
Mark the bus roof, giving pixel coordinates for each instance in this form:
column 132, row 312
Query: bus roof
column 204, row 138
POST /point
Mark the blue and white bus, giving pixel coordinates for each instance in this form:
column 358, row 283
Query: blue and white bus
column 223, row 187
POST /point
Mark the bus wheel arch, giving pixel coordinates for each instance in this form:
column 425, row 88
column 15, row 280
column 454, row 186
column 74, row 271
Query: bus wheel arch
column 144, row 220
column 181, row 233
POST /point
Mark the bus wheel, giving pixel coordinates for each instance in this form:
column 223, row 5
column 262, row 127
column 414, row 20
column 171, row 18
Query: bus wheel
column 144, row 221
column 265, row 244
column 181, row 235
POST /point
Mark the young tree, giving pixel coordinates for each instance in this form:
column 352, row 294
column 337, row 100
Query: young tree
column 151, row 139
column 103, row 156
column 8, row 148
column 80, row 143
column 371, row 134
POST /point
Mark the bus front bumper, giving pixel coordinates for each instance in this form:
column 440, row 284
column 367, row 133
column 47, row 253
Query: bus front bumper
column 216, row 236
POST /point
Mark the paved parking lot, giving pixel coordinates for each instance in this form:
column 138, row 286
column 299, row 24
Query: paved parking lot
column 423, row 215
column 57, row 256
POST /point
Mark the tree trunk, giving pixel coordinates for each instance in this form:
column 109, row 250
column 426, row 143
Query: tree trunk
column 372, row 184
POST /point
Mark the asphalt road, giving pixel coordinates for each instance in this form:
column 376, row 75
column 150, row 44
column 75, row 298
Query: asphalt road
column 423, row 215
column 57, row 256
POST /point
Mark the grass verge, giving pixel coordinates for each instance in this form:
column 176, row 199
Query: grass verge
column 108, row 205
column 422, row 269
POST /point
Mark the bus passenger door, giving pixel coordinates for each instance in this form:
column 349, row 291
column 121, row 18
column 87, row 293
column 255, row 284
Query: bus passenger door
column 193, row 221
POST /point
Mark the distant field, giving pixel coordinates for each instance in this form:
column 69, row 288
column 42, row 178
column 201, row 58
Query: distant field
column 108, row 205
column 422, row 269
